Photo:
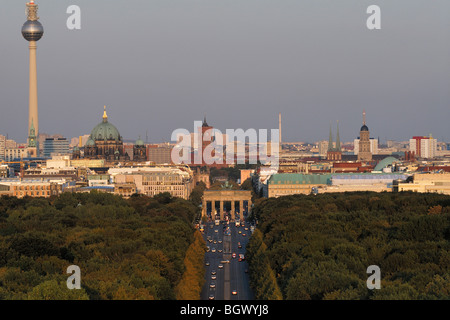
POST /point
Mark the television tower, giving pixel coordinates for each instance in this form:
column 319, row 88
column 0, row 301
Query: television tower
column 32, row 31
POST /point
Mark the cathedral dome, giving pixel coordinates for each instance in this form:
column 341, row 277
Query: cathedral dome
column 105, row 130
column 364, row 128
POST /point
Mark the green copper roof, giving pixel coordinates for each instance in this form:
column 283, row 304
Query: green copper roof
column 384, row 163
column 90, row 142
column 105, row 131
column 300, row 178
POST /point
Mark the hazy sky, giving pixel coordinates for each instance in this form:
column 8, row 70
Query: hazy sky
column 159, row 65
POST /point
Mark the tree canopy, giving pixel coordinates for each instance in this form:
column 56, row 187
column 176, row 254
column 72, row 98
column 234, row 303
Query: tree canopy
column 319, row 247
column 138, row 248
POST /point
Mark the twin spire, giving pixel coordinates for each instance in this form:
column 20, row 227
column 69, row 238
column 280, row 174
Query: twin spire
column 338, row 140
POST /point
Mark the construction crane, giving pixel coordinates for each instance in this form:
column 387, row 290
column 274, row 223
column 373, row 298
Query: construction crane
column 21, row 162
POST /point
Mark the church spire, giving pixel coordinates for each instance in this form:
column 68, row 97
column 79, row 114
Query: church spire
column 32, row 135
column 330, row 140
column 204, row 122
column 338, row 140
column 105, row 116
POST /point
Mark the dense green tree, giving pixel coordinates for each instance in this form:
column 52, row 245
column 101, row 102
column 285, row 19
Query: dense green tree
column 190, row 286
column 54, row 290
column 126, row 249
column 319, row 247
column 197, row 193
column 262, row 277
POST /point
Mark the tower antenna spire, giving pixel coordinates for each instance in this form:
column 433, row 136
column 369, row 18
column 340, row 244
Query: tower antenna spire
column 364, row 116
column 32, row 31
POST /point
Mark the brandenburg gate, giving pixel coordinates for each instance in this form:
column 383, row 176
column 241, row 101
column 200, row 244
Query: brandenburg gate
column 222, row 196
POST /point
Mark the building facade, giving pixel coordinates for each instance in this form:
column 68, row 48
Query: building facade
column 15, row 153
column 160, row 154
column 373, row 146
column 155, row 180
column 423, row 147
column 426, row 183
column 54, row 146
column 283, row 184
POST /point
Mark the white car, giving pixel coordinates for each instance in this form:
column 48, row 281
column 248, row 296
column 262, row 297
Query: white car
column 220, row 266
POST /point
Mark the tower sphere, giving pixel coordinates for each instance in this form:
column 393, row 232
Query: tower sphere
column 32, row 30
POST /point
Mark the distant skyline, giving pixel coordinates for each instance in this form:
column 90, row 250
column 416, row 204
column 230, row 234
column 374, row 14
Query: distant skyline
column 160, row 65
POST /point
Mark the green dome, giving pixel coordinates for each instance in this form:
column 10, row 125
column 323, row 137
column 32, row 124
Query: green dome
column 384, row 163
column 90, row 142
column 139, row 142
column 105, row 130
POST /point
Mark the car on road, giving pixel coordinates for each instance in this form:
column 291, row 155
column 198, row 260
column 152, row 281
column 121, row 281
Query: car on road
column 207, row 263
column 215, row 241
column 215, row 230
column 234, row 292
column 208, row 248
column 211, row 297
column 213, row 277
column 220, row 241
column 244, row 234
column 220, row 266
column 220, row 250
column 213, row 272
column 212, row 285
column 233, row 255
column 213, row 250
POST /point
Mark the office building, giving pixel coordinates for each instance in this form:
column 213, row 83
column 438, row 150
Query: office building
column 55, row 146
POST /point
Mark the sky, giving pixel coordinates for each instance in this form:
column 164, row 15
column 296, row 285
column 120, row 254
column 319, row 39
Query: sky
column 160, row 65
